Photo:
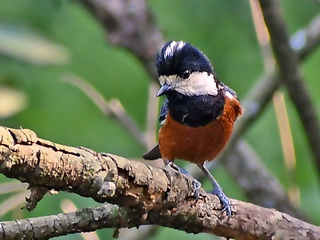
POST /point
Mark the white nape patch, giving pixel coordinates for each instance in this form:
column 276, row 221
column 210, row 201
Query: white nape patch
column 229, row 95
column 163, row 121
column 173, row 47
column 199, row 83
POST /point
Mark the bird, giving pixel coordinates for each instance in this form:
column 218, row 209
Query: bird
column 198, row 114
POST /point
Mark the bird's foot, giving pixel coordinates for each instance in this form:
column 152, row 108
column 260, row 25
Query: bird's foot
column 196, row 188
column 196, row 184
column 226, row 206
column 176, row 167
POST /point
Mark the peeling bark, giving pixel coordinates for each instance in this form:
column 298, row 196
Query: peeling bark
column 153, row 196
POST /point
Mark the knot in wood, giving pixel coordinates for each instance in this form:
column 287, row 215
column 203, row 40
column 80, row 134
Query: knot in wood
column 108, row 189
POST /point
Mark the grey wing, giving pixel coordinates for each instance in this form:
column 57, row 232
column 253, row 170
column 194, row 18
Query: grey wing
column 155, row 152
column 231, row 91
column 163, row 112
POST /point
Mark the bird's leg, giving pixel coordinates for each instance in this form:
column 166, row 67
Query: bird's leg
column 195, row 182
column 226, row 206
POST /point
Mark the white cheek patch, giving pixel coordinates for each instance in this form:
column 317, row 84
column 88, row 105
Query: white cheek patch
column 199, row 83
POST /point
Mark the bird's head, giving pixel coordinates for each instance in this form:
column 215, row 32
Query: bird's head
column 185, row 69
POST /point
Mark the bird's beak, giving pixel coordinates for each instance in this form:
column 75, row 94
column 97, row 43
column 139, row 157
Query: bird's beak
column 164, row 89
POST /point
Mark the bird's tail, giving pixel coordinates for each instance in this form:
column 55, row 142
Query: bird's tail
column 153, row 154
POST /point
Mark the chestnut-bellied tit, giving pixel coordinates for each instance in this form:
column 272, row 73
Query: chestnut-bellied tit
column 198, row 114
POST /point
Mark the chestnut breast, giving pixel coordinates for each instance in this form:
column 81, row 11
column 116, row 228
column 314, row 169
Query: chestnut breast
column 198, row 144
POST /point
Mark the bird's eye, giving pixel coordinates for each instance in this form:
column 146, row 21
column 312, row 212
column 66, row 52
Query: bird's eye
column 186, row 74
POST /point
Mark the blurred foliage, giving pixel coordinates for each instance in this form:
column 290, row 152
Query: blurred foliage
column 59, row 112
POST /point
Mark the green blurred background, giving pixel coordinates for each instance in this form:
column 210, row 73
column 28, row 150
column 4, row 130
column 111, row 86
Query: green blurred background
column 75, row 43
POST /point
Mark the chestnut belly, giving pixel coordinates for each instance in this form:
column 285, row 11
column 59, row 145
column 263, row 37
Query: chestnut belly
column 194, row 144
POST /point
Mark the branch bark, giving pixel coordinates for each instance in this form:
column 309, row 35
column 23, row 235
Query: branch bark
column 84, row 220
column 149, row 195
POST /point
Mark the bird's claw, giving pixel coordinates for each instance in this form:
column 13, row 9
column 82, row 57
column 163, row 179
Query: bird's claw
column 196, row 184
column 226, row 206
column 196, row 187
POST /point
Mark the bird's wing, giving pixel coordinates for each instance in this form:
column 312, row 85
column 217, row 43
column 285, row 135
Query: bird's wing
column 163, row 112
column 155, row 152
column 231, row 91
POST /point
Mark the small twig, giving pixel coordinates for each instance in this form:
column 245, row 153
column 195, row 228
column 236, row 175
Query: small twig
column 84, row 220
column 36, row 195
column 262, row 35
column 152, row 116
column 287, row 146
column 112, row 108
column 68, row 206
column 278, row 104
column 13, row 202
column 307, row 39
column 14, row 186
column 288, row 64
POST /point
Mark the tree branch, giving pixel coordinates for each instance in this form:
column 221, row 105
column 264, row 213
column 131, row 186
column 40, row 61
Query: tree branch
column 84, row 220
column 288, row 64
column 154, row 196
column 112, row 108
column 89, row 219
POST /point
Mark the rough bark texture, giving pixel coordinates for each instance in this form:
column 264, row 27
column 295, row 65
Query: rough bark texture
column 151, row 195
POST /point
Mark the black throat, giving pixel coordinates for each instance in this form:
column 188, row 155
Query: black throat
column 195, row 111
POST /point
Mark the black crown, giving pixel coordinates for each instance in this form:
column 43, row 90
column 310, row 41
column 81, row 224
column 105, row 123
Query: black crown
column 180, row 59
